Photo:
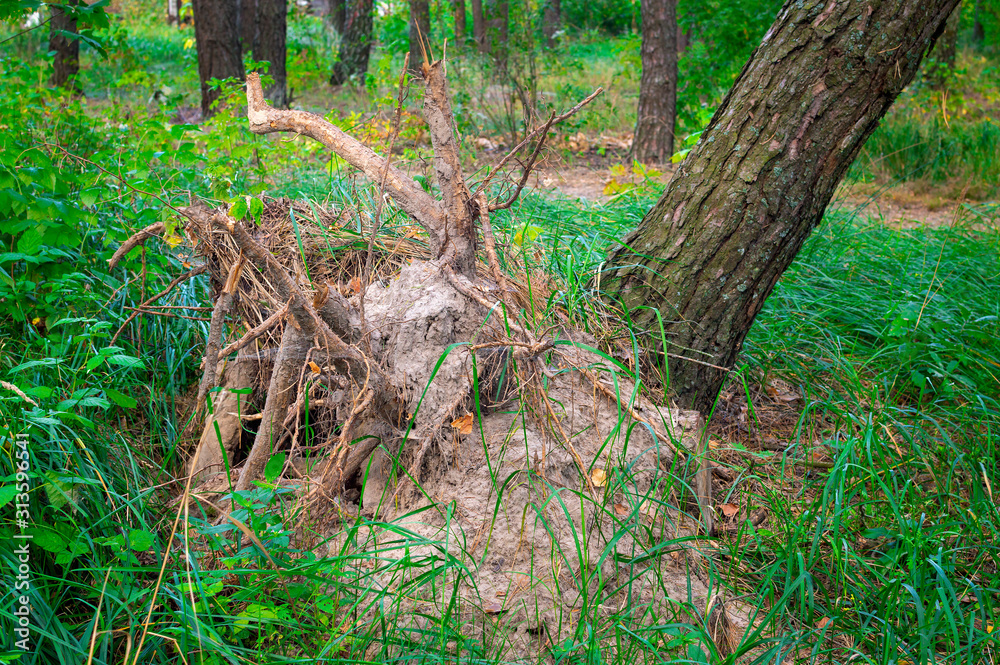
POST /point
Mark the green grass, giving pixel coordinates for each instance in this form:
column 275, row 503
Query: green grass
column 895, row 541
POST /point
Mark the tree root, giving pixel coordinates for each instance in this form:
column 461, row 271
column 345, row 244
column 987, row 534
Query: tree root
column 294, row 345
column 209, row 377
column 133, row 242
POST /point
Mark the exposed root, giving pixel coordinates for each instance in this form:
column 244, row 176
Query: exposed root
column 254, row 333
column 194, row 272
column 222, row 305
column 137, row 239
column 294, row 345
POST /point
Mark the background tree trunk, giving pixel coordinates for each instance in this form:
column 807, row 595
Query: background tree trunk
column 338, row 15
column 479, row 25
column 420, row 28
column 355, row 47
column 497, row 21
column 248, row 25
column 217, row 35
column 946, row 49
column 742, row 203
column 269, row 46
column 551, row 22
column 173, row 12
column 978, row 33
column 66, row 64
column 654, row 129
column 458, row 11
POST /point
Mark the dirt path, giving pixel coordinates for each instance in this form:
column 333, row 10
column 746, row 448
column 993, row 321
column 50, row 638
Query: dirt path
column 896, row 209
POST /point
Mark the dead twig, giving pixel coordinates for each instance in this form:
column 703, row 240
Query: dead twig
column 527, row 169
column 403, row 189
column 342, row 449
column 527, row 139
column 170, row 287
column 169, row 315
column 255, row 332
column 489, row 243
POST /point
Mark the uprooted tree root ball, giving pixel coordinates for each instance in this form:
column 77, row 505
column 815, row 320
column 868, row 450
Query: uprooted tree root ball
column 423, row 403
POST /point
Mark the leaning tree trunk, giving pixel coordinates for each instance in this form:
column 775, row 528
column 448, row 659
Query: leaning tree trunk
column 458, row 12
column 551, row 22
column 355, row 47
column 743, row 202
column 654, row 129
column 479, row 25
column 217, row 35
column 66, row 64
column 269, row 46
column 420, row 31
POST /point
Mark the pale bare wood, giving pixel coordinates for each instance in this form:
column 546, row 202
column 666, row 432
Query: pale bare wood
column 284, row 377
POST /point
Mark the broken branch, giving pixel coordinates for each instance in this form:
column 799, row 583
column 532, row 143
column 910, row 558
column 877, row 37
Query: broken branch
column 222, row 306
column 527, row 169
column 404, row 190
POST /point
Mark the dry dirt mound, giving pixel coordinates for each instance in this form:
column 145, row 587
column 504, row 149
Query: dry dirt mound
column 544, row 504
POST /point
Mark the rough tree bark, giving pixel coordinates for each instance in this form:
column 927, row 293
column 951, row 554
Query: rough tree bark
column 551, row 21
column 458, row 12
column 654, row 129
column 217, row 35
column 742, row 203
column 479, row 25
column 356, row 44
column 66, row 64
column 269, row 46
column 420, row 29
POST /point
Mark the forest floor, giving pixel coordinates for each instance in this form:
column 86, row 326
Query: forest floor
column 899, row 207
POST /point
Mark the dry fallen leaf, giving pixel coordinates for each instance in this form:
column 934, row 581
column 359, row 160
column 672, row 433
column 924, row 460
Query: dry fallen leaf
column 822, row 622
column 315, row 368
column 355, row 285
column 463, row 424
column 621, row 509
column 599, row 477
column 728, row 509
